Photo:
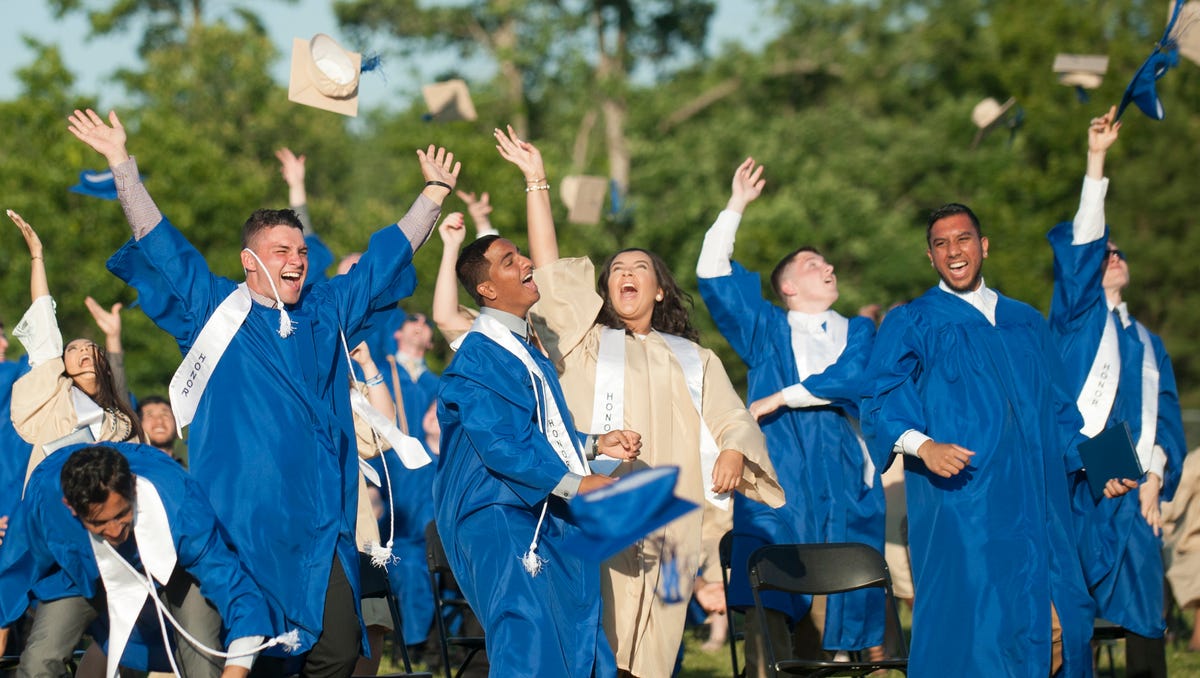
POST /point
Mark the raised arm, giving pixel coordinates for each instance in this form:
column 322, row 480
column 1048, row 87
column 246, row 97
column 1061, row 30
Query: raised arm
column 1102, row 134
column 291, row 166
column 109, row 140
column 479, row 208
column 109, row 323
column 446, row 315
column 38, row 287
column 543, row 241
column 377, row 393
column 717, row 250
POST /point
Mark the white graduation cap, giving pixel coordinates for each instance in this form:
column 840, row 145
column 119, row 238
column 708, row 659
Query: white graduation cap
column 448, row 101
column 584, row 198
column 324, row 75
column 1081, row 70
column 1187, row 31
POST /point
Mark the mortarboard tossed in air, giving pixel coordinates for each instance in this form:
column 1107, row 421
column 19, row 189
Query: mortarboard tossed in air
column 97, row 184
column 1143, row 90
column 326, row 76
column 611, row 518
column 1081, row 71
column 988, row 114
column 584, row 198
column 448, row 101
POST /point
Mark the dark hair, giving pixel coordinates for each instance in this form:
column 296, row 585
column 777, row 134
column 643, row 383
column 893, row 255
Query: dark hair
column 106, row 393
column 264, row 219
column 91, row 473
column 472, row 265
column 948, row 210
column 671, row 315
column 151, row 400
column 777, row 272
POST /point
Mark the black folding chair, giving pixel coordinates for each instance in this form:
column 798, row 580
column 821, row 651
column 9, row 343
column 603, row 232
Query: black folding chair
column 373, row 583
column 439, row 570
column 1105, row 636
column 725, row 552
column 821, row 569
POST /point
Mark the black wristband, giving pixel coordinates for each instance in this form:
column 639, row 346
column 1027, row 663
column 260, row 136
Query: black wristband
column 443, row 184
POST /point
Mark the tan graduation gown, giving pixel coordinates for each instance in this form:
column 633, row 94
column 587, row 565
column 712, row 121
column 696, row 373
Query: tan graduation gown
column 1181, row 534
column 43, row 411
column 370, row 446
column 645, row 631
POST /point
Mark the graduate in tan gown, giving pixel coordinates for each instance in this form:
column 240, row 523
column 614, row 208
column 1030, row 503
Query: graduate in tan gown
column 646, row 587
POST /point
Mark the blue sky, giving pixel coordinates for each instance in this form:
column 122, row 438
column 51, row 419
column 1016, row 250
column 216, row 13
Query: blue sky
column 92, row 60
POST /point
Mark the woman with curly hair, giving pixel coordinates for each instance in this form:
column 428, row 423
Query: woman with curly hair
column 66, row 391
column 627, row 358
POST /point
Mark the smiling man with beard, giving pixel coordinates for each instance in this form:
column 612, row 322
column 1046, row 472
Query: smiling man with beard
column 967, row 386
column 264, row 378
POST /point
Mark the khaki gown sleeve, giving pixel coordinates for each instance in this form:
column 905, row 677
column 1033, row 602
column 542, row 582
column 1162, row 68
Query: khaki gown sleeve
column 568, row 306
column 734, row 428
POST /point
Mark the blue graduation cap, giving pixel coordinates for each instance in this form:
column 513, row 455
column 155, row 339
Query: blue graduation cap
column 616, row 516
column 1142, row 90
column 98, row 184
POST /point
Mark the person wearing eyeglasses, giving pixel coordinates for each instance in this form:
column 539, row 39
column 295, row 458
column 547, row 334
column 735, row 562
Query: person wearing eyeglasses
column 1120, row 372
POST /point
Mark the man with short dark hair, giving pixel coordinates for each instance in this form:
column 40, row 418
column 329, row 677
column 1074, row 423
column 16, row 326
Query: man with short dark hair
column 265, row 377
column 966, row 385
column 510, row 458
column 805, row 381
column 158, row 422
column 95, row 523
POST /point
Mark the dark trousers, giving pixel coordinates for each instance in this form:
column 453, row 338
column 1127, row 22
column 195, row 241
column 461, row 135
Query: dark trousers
column 1145, row 657
column 336, row 651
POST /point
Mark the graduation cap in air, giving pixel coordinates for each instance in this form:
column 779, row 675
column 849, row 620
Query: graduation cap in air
column 584, row 198
column 97, row 184
column 448, row 101
column 989, row 114
column 1081, row 71
column 1187, row 31
column 325, row 76
column 611, row 518
column 1143, row 90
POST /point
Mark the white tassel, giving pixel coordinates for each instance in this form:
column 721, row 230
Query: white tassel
column 290, row 640
column 382, row 556
column 286, row 326
column 532, row 562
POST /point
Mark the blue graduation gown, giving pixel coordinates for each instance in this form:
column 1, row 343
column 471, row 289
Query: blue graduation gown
column 816, row 454
column 495, row 470
column 1122, row 556
column 47, row 555
column 992, row 546
column 14, row 450
column 410, row 504
column 273, row 441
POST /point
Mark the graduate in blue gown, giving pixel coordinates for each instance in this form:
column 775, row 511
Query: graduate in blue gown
column 808, row 411
column 272, row 440
column 510, row 458
column 1121, row 543
column 966, row 384
column 49, row 555
column 14, row 451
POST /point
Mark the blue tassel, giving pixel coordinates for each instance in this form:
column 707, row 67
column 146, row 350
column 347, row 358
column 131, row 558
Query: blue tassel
column 1082, row 95
column 371, row 62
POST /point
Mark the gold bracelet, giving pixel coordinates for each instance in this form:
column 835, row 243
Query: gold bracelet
column 535, row 181
column 542, row 187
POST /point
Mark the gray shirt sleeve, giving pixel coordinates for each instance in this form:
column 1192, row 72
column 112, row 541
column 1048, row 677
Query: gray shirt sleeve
column 140, row 211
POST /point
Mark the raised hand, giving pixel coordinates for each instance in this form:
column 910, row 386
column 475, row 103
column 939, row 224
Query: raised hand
column 747, row 185
column 106, row 139
column 32, row 241
column 440, row 171
column 523, row 154
column 1103, row 132
column 479, row 208
column 453, row 230
column 361, row 354
column 109, row 321
column 291, row 167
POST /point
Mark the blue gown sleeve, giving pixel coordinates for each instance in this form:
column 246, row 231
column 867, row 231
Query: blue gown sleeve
column 845, row 381
column 320, row 258
column 736, row 304
column 891, row 403
column 382, row 277
column 1078, row 276
column 1170, row 422
column 492, row 406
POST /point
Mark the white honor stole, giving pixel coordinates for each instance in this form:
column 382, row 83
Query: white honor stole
column 815, row 352
column 609, row 399
column 193, row 374
column 1100, row 389
column 412, row 454
column 125, row 589
column 550, row 419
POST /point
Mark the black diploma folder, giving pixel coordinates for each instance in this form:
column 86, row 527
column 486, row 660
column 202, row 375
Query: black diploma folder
column 1109, row 455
